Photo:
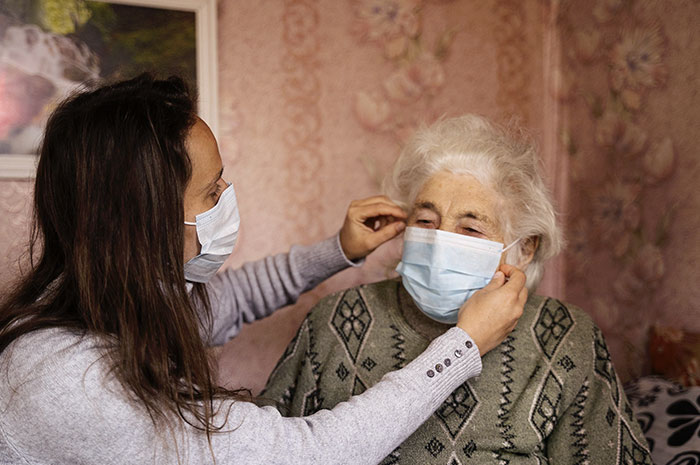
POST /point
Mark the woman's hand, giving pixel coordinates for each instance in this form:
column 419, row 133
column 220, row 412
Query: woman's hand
column 369, row 223
column 492, row 312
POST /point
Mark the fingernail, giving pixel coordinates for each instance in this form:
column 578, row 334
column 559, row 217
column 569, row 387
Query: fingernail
column 401, row 226
column 498, row 275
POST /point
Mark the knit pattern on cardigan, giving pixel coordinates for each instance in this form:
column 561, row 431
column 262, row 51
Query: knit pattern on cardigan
column 547, row 395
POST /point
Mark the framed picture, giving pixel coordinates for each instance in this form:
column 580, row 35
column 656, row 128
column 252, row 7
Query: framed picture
column 48, row 48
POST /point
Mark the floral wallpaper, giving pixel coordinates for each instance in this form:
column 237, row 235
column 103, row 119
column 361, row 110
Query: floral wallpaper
column 15, row 207
column 403, row 98
column 633, row 167
column 316, row 97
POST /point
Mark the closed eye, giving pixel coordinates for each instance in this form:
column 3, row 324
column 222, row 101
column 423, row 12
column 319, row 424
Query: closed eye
column 471, row 231
column 425, row 223
column 425, row 217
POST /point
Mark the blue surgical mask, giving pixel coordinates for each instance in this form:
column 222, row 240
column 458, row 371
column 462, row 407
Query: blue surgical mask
column 217, row 231
column 441, row 270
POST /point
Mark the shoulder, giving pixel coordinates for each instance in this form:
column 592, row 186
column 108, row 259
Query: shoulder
column 47, row 373
column 561, row 329
column 545, row 311
column 557, row 328
column 48, row 352
column 57, row 385
column 47, row 364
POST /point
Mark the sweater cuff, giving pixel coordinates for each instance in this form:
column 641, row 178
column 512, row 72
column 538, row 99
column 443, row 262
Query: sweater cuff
column 448, row 362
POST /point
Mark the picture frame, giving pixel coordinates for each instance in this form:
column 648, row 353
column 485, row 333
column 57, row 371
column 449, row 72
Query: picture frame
column 23, row 166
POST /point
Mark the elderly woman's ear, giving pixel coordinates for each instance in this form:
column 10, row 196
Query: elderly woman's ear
column 528, row 247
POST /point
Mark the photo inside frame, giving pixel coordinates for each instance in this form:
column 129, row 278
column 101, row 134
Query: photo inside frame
column 48, row 48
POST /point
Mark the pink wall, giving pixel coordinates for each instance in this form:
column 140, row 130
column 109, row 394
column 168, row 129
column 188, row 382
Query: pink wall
column 630, row 128
column 315, row 99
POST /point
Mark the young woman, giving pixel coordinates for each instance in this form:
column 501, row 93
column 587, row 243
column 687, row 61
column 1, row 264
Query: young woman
column 103, row 342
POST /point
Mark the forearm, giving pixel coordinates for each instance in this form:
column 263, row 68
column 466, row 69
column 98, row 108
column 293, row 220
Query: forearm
column 259, row 288
column 86, row 401
column 366, row 428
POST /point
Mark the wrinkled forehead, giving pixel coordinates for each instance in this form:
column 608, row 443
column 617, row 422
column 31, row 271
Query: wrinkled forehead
column 456, row 190
column 460, row 195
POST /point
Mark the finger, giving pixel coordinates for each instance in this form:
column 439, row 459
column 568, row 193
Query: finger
column 363, row 213
column 516, row 278
column 386, row 233
column 497, row 281
column 508, row 269
column 522, row 297
column 378, row 222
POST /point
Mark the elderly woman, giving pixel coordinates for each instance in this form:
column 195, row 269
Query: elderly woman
column 548, row 394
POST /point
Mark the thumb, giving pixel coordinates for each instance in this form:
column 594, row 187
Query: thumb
column 497, row 281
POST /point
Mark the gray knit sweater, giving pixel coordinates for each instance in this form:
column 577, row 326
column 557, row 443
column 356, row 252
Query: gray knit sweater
column 59, row 403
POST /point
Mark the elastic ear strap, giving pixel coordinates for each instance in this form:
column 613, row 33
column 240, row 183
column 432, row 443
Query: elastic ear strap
column 512, row 244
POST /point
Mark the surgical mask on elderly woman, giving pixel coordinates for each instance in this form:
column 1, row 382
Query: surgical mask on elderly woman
column 441, row 270
column 217, row 230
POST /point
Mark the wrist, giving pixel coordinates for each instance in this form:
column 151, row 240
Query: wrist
column 472, row 333
column 342, row 242
column 350, row 259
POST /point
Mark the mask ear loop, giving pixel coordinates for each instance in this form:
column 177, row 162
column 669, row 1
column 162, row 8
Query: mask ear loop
column 511, row 245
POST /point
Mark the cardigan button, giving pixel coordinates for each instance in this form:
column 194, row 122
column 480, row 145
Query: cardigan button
column 469, row 344
column 430, row 373
column 447, row 362
column 438, row 368
column 458, row 353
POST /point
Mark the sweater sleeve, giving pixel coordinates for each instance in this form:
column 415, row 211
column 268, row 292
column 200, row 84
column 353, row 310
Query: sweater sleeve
column 68, row 408
column 257, row 289
column 599, row 425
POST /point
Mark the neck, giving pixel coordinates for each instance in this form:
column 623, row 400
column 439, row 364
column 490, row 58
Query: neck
column 417, row 320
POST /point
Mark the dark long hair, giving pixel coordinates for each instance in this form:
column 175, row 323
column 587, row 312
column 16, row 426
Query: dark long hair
column 106, row 246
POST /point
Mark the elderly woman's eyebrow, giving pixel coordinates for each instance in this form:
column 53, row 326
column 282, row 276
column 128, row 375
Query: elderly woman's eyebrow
column 474, row 216
column 426, row 205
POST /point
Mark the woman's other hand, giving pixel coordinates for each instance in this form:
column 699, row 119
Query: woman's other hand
column 492, row 312
column 369, row 223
